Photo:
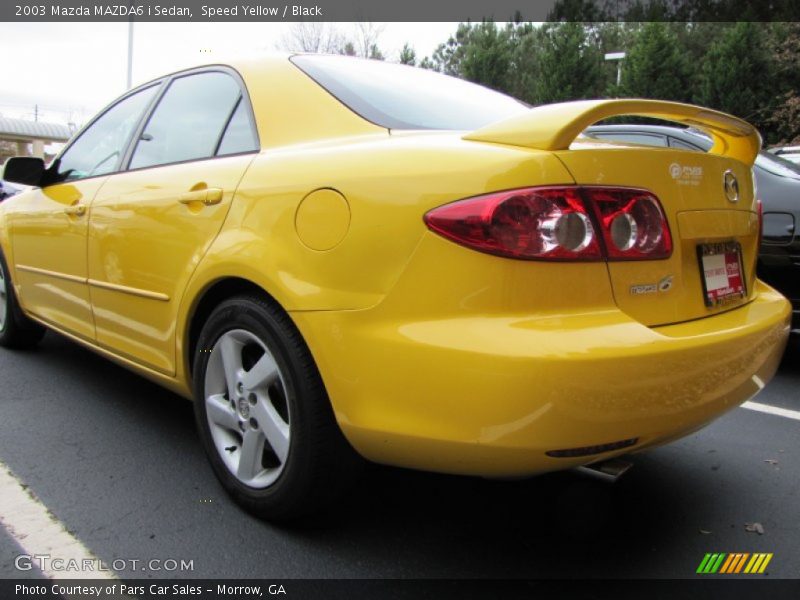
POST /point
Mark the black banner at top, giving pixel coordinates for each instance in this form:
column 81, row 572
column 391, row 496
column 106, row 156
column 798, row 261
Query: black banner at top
column 396, row 10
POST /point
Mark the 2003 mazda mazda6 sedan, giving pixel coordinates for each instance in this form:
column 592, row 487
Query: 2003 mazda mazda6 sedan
column 339, row 258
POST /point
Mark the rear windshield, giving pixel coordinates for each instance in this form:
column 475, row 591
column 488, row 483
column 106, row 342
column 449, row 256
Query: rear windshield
column 401, row 97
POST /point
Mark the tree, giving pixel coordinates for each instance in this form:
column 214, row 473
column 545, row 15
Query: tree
column 348, row 49
column 427, row 63
column 487, row 56
column 524, row 40
column 783, row 125
column 734, row 71
column 408, row 56
column 655, row 66
column 569, row 64
column 375, row 53
column 367, row 35
column 313, row 36
column 447, row 56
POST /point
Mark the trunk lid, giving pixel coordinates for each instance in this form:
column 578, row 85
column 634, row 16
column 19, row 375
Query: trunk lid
column 715, row 238
column 702, row 222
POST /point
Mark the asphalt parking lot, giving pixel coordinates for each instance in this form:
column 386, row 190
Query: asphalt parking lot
column 116, row 460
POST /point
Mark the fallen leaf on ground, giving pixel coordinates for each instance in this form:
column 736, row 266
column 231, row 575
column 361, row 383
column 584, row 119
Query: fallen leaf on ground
column 754, row 527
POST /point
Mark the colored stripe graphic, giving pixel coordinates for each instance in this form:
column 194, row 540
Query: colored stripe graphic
column 742, row 560
column 732, row 558
column 764, row 564
column 711, row 563
column 704, row 563
column 717, row 564
column 754, row 564
column 728, row 564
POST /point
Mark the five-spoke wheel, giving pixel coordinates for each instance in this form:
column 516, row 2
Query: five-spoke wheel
column 246, row 408
column 263, row 415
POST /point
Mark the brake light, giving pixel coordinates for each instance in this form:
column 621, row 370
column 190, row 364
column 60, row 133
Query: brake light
column 527, row 223
column 632, row 222
column 558, row 223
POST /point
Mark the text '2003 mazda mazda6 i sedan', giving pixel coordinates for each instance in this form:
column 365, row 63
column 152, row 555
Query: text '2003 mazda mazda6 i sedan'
column 340, row 258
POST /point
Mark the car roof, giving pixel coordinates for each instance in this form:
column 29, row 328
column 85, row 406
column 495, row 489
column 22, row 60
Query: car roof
column 287, row 104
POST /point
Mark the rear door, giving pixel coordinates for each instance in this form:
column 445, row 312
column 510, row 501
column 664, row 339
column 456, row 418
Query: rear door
column 151, row 225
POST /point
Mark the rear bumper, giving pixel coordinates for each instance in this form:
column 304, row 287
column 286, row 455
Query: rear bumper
column 491, row 395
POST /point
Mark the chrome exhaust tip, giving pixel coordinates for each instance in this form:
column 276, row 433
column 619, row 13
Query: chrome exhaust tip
column 607, row 470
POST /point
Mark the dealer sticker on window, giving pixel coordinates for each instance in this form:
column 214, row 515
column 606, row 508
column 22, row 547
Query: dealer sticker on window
column 722, row 273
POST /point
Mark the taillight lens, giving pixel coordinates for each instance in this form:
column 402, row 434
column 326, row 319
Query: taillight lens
column 632, row 222
column 527, row 223
column 558, row 223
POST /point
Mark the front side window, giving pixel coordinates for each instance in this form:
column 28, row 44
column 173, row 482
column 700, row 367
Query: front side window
column 189, row 120
column 99, row 149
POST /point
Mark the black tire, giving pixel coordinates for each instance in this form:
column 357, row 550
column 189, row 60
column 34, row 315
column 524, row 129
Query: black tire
column 16, row 330
column 320, row 464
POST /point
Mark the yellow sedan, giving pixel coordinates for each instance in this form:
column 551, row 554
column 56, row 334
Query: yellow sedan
column 341, row 259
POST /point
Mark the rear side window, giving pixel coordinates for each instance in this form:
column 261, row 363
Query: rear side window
column 240, row 134
column 99, row 149
column 189, row 120
column 402, row 97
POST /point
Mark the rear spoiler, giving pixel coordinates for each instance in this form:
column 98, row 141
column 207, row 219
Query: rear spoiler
column 555, row 126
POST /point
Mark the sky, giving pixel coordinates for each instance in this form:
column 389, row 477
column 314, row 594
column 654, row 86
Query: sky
column 72, row 70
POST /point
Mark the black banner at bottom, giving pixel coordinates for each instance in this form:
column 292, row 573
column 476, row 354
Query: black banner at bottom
column 396, row 589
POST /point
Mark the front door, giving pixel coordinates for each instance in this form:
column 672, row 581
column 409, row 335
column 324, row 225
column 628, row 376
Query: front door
column 50, row 228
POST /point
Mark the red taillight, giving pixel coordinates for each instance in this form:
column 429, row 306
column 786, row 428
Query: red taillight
column 527, row 223
column 633, row 224
column 558, row 223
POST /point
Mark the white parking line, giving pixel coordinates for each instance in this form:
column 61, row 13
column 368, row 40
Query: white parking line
column 772, row 410
column 39, row 533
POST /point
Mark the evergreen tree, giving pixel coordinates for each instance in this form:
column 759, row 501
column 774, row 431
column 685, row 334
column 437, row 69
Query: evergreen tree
column 447, row 57
column 569, row 64
column 375, row 53
column 736, row 74
column 487, row 56
column 427, row 63
column 348, row 49
column 523, row 70
column 408, row 56
column 655, row 65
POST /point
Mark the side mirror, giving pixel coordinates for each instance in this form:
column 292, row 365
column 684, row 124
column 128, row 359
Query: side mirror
column 26, row 170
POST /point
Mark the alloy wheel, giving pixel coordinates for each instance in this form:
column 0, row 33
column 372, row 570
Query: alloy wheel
column 247, row 408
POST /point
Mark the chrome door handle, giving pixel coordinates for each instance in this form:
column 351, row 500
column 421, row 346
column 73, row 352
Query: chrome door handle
column 78, row 210
column 206, row 196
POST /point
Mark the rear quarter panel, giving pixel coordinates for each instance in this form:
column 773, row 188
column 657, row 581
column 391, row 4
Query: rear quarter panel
column 389, row 183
